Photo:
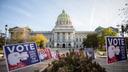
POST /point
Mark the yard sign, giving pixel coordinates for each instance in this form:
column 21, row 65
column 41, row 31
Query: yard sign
column 116, row 49
column 20, row 55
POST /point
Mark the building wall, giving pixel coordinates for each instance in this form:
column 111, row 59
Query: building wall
column 70, row 40
column 19, row 34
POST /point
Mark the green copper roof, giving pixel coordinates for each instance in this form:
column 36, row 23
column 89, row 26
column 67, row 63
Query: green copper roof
column 63, row 16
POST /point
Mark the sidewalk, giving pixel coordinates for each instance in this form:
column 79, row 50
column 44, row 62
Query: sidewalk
column 121, row 66
column 34, row 68
column 101, row 54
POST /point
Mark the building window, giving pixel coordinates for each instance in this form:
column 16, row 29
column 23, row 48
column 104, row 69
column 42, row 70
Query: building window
column 50, row 46
column 76, row 46
column 80, row 39
column 58, row 45
column 50, row 39
column 69, row 45
column 69, row 38
column 76, row 39
column 21, row 32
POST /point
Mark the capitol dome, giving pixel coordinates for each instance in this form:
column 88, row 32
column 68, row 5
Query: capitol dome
column 63, row 23
column 63, row 18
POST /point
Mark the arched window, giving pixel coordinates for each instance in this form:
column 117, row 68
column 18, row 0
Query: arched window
column 58, row 45
column 69, row 45
column 63, row 46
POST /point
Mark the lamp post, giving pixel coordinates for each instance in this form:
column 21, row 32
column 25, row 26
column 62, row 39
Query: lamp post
column 6, row 28
column 123, row 28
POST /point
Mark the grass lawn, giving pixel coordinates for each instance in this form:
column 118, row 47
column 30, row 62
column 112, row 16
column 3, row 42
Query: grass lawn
column 101, row 49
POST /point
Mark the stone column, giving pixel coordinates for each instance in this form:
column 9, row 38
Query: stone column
column 66, row 37
column 71, row 39
column 55, row 44
column 60, row 36
column 55, row 39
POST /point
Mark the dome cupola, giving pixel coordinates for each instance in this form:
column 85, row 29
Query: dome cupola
column 63, row 18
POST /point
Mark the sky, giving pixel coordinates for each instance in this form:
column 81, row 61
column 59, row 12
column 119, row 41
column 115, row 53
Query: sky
column 41, row 15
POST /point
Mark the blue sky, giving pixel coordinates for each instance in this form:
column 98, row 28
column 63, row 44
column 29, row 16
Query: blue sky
column 41, row 15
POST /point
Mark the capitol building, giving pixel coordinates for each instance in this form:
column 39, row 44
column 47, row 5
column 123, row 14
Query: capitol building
column 63, row 35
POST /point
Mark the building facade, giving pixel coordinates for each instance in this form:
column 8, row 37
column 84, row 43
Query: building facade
column 63, row 34
column 19, row 34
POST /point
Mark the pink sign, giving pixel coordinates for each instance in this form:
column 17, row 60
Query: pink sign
column 45, row 53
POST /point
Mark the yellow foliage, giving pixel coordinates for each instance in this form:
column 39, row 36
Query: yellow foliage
column 39, row 39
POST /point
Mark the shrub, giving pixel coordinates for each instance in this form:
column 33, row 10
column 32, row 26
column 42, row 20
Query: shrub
column 75, row 63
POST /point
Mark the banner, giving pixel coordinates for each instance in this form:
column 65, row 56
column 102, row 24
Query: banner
column 90, row 52
column 20, row 55
column 116, row 49
column 44, row 54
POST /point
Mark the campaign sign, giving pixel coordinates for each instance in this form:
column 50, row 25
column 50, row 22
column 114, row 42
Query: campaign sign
column 90, row 53
column 21, row 55
column 44, row 54
column 116, row 49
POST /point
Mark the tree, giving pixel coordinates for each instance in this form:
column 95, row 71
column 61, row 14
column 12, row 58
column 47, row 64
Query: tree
column 123, row 13
column 2, row 42
column 91, row 40
column 98, row 29
column 40, row 40
column 105, row 32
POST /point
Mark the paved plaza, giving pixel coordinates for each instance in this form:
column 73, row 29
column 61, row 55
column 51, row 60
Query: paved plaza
column 121, row 66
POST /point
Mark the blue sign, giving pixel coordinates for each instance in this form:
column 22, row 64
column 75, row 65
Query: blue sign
column 90, row 53
column 21, row 55
column 116, row 49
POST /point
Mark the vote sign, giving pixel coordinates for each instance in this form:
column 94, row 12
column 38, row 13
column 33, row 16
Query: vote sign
column 20, row 55
column 116, row 49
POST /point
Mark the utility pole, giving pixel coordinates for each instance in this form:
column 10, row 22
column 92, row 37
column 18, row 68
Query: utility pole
column 6, row 28
column 122, row 30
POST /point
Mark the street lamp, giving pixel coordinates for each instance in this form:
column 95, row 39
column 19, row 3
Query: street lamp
column 124, row 29
column 6, row 28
